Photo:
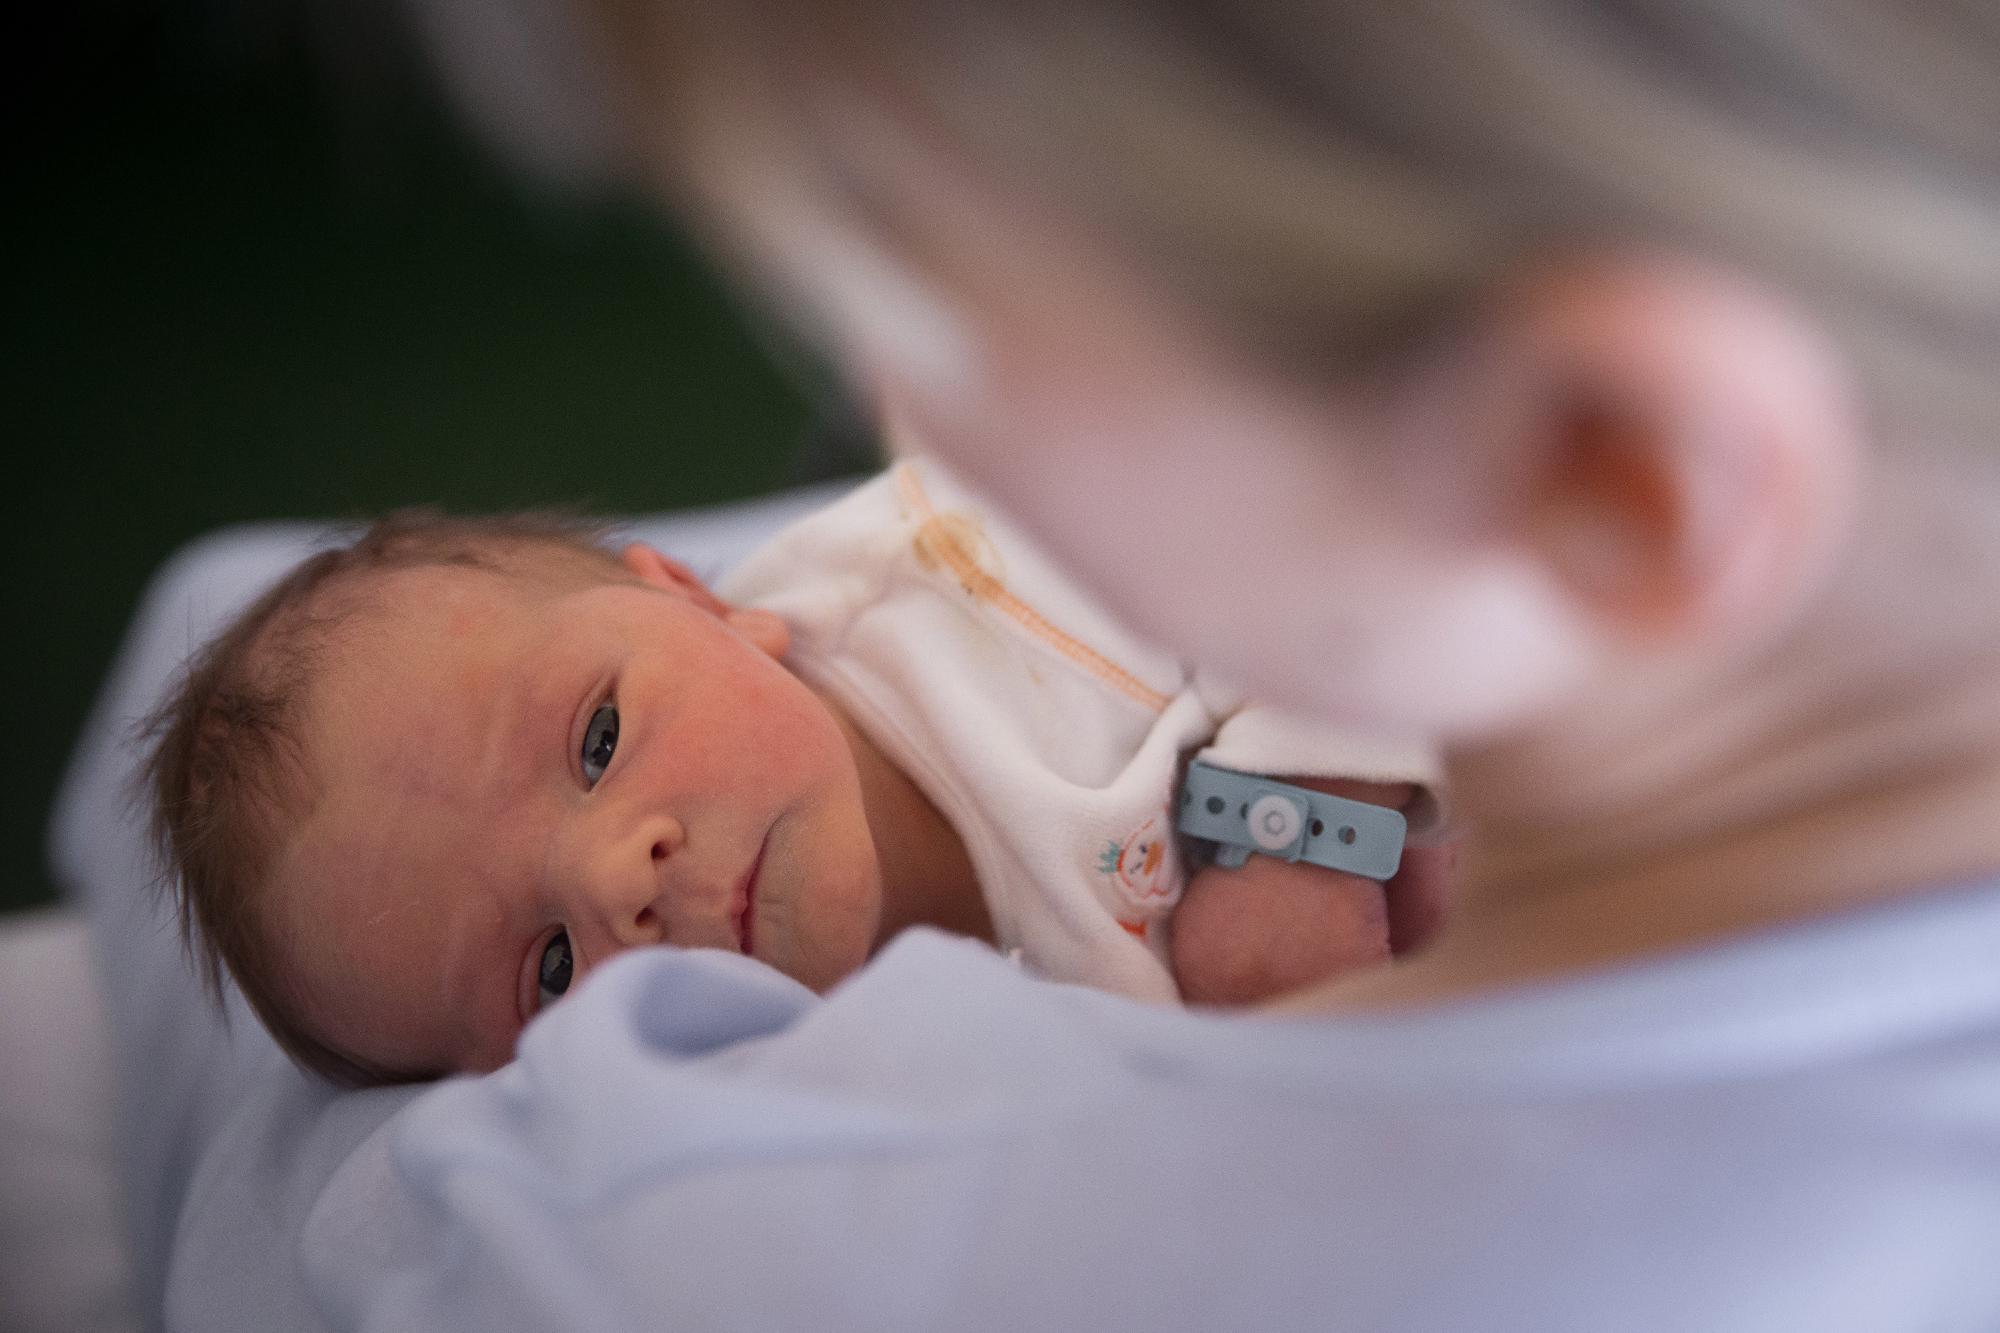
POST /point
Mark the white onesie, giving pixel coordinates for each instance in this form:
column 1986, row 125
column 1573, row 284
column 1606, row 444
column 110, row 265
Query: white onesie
column 1050, row 737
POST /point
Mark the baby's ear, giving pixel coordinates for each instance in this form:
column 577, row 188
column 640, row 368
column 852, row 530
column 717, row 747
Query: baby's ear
column 669, row 575
column 764, row 629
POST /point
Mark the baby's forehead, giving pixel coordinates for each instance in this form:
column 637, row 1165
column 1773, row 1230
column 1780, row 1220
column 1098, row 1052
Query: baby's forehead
column 430, row 655
column 386, row 628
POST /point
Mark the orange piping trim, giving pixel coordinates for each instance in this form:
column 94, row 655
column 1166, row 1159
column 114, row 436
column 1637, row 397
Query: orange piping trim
column 987, row 588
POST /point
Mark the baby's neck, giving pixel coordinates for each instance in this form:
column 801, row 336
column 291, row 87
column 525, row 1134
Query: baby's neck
column 1854, row 762
column 927, row 877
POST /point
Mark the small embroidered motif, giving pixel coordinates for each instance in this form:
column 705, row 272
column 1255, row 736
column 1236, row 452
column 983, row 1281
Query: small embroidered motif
column 1142, row 865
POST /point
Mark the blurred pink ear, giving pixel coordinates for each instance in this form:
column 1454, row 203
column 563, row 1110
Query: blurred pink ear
column 1690, row 465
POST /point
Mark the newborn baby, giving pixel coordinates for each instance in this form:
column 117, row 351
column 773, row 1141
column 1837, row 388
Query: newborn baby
column 433, row 777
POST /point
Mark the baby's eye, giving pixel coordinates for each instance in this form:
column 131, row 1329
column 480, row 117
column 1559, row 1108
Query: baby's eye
column 600, row 742
column 552, row 973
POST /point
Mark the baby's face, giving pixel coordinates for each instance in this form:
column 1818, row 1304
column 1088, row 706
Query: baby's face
column 519, row 779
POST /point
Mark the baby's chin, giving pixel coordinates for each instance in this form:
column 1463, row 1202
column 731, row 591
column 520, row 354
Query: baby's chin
column 829, row 943
column 822, row 972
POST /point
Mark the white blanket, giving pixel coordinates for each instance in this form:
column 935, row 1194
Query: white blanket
column 1800, row 1131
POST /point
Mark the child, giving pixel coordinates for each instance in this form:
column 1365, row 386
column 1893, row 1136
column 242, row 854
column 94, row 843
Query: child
column 432, row 778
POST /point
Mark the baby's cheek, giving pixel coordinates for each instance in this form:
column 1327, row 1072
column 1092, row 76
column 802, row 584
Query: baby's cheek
column 1252, row 934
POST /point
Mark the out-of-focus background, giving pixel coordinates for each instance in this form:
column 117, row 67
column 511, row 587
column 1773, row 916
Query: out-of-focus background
column 259, row 269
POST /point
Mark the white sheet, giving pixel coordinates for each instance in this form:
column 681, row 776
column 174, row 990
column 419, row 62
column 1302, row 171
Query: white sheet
column 63, row 1267
column 1799, row 1130
column 181, row 1072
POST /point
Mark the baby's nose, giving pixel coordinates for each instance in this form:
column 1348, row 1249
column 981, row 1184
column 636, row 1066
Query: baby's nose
column 619, row 882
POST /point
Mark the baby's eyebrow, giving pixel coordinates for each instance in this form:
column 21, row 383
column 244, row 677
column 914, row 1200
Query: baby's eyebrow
column 533, row 717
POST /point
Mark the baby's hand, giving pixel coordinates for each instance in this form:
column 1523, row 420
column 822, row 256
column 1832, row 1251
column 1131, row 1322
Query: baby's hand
column 1269, row 927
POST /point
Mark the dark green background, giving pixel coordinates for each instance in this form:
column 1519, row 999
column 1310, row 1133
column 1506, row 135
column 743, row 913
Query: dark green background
column 260, row 272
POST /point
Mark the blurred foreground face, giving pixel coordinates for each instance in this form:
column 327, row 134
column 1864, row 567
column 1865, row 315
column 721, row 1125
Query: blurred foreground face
column 1600, row 458
column 1330, row 547
column 1609, row 467
column 1610, row 460
column 1235, row 515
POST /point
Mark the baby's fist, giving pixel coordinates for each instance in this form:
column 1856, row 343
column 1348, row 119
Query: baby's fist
column 1268, row 927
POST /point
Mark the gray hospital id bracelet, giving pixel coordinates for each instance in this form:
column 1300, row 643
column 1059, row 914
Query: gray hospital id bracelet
column 1241, row 814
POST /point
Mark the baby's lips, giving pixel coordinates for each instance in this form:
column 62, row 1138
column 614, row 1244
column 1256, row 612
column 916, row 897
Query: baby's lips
column 744, row 903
